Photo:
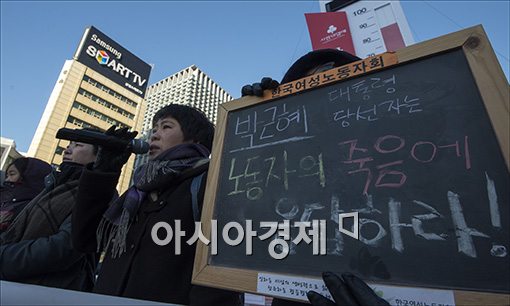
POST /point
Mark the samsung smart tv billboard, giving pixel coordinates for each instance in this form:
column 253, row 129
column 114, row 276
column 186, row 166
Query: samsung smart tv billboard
column 102, row 54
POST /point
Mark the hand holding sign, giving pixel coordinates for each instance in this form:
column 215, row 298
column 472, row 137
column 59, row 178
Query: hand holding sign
column 346, row 291
column 257, row 89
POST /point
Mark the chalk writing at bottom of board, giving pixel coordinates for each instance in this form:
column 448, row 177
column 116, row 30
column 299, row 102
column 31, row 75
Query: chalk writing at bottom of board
column 300, row 228
column 380, row 222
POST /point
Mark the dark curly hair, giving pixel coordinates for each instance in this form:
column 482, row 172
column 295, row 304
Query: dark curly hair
column 194, row 123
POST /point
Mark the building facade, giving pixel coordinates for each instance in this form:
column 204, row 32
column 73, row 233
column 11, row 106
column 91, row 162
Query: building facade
column 190, row 86
column 8, row 153
column 93, row 90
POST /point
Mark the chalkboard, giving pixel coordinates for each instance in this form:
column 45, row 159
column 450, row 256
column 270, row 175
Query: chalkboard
column 411, row 149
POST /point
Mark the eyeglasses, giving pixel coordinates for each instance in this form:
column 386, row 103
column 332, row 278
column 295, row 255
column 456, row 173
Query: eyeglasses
column 321, row 68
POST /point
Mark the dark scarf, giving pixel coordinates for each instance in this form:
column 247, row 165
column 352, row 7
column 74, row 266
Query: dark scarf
column 155, row 175
column 16, row 195
column 44, row 214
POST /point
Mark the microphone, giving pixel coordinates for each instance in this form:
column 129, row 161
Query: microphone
column 137, row 146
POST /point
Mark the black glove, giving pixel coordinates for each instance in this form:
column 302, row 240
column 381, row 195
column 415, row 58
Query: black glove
column 257, row 89
column 348, row 291
column 111, row 160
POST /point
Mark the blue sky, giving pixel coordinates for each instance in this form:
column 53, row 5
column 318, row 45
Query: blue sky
column 234, row 42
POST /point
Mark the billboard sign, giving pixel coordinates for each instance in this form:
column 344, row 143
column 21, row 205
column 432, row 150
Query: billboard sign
column 102, row 54
column 376, row 26
column 330, row 31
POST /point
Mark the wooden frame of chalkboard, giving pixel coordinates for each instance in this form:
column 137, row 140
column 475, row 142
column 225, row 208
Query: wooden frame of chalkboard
column 468, row 53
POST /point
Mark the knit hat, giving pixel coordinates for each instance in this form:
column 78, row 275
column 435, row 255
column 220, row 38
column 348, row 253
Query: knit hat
column 20, row 164
column 314, row 59
column 32, row 170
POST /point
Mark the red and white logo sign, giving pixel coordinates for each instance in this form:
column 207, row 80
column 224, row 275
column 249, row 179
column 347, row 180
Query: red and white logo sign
column 330, row 31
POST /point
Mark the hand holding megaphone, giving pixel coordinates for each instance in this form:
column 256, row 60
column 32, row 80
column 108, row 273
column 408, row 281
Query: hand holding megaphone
column 112, row 160
column 137, row 146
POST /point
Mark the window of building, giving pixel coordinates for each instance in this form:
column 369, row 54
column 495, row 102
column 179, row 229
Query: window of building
column 98, row 115
column 109, row 91
column 105, row 103
column 59, row 150
column 81, row 123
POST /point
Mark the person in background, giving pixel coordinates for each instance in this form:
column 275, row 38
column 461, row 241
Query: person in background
column 134, row 265
column 309, row 64
column 24, row 179
column 36, row 248
column 347, row 290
